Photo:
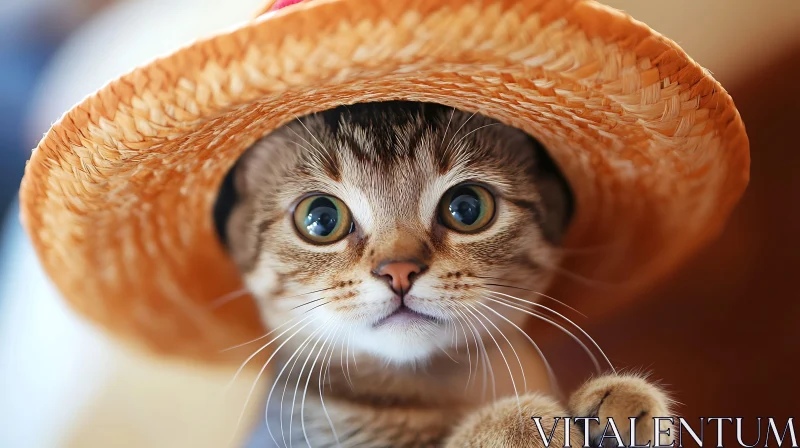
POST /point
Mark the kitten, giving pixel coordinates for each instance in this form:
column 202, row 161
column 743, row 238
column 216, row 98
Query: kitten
column 379, row 235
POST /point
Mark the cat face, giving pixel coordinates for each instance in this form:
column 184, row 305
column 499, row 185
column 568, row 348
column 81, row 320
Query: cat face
column 388, row 223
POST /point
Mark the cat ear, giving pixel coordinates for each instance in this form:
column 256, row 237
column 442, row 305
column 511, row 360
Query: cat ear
column 251, row 167
column 227, row 198
column 241, row 182
column 556, row 197
column 265, row 163
column 557, row 205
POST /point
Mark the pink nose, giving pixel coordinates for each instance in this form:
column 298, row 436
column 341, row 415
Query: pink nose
column 400, row 274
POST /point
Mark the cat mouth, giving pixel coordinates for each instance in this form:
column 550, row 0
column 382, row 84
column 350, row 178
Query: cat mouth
column 404, row 315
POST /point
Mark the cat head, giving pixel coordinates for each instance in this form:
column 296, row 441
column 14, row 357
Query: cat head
column 391, row 223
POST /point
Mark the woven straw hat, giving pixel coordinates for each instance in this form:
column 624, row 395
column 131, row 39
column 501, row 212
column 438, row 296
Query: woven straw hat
column 118, row 195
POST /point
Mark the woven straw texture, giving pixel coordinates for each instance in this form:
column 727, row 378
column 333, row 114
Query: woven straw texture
column 118, row 195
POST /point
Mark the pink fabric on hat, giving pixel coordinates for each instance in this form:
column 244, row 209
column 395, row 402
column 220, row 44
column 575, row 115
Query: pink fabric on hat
column 283, row 3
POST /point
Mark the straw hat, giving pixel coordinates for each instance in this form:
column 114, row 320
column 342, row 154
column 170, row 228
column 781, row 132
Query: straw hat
column 118, row 195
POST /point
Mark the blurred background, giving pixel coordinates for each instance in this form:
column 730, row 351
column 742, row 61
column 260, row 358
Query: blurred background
column 722, row 332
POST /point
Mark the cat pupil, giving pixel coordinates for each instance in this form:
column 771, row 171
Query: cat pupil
column 322, row 217
column 465, row 207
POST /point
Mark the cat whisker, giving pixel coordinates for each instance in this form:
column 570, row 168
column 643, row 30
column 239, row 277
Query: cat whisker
column 296, row 355
column 347, row 357
column 307, row 303
column 229, row 297
column 446, row 354
column 311, row 150
column 510, row 304
column 451, row 328
column 597, row 284
column 473, row 131
column 461, row 127
column 566, row 319
column 459, row 319
column 486, row 367
column 487, row 362
column 312, row 309
column 465, row 319
column 341, row 356
column 550, row 374
column 234, row 347
column 510, row 374
column 447, row 128
column 261, row 372
column 305, row 387
column 241, row 367
column 321, row 148
column 355, row 362
column 519, row 361
column 528, row 290
column 475, row 337
column 343, row 359
column 453, row 338
column 321, row 387
column 328, row 374
column 275, row 382
column 457, row 131
column 460, row 322
column 478, row 353
column 502, row 354
column 307, row 293
column 537, row 315
column 299, row 378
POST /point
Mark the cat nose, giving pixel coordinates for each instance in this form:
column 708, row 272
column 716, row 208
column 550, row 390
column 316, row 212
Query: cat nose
column 400, row 274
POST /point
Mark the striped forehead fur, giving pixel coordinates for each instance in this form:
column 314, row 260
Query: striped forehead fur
column 382, row 146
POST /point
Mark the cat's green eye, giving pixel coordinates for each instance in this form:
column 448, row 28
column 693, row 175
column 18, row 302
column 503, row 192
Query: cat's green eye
column 467, row 208
column 322, row 219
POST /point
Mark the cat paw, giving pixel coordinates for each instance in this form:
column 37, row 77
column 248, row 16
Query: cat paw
column 621, row 397
column 507, row 423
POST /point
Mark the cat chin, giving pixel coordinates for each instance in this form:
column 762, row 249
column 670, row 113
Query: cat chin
column 400, row 346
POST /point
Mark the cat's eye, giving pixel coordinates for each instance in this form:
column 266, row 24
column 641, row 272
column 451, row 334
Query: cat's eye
column 467, row 208
column 322, row 219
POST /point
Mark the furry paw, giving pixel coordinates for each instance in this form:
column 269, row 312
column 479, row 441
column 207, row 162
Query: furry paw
column 502, row 425
column 622, row 397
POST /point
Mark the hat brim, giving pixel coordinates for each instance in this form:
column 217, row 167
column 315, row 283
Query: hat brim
column 118, row 196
